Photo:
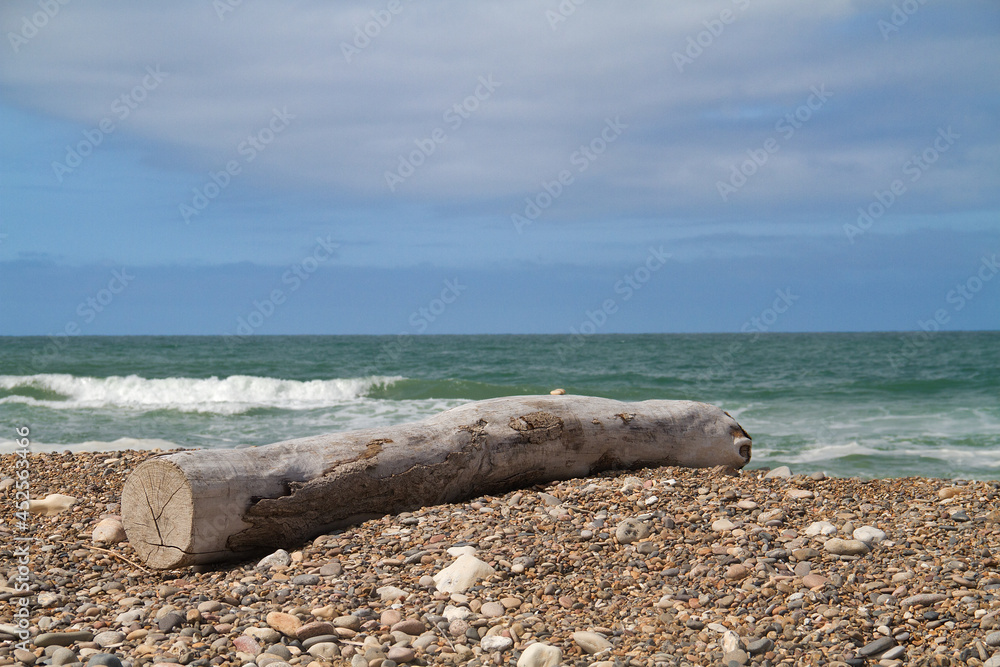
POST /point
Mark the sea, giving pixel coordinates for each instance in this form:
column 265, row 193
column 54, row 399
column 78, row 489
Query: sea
column 850, row 404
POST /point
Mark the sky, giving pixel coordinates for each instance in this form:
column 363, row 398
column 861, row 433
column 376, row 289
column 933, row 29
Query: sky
column 382, row 167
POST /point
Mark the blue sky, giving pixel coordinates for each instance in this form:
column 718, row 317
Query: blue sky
column 200, row 167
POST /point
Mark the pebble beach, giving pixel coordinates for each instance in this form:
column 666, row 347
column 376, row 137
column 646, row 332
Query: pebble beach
column 665, row 566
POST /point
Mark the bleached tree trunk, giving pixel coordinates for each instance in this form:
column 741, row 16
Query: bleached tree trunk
column 212, row 505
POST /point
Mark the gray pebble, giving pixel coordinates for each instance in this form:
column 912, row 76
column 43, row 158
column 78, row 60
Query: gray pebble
column 63, row 638
column 63, row 656
column 278, row 558
column 332, row 569
column 279, row 650
column 170, row 621
column 306, row 580
column 759, row 646
column 894, row 653
column 110, row 638
column 737, row 657
column 877, row 647
column 104, row 659
column 24, row 656
column 993, row 639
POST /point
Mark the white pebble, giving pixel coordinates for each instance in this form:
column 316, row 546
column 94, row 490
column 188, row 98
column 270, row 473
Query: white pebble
column 540, row 655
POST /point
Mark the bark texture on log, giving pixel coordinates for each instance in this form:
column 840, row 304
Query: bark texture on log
column 212, row 505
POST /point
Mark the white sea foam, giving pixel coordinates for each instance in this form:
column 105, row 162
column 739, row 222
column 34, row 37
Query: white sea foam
column 10, row 446
column 818, row 453
column 227, row 396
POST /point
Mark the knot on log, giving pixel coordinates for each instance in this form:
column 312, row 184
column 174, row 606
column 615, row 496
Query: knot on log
column 537, row 426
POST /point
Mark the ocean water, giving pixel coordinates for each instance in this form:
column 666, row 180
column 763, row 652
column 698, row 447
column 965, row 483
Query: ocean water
column 869, row 405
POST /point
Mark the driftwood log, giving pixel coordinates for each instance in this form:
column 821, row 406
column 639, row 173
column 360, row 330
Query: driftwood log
column 213, row 505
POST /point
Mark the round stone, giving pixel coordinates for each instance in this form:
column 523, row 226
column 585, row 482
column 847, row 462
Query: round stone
column 400, row 654
column 631, row 530
column 869, row 535
column 492, row 610
column 63, row 656
column 108, row 639
column 591, row 642
column 410, row 626
column 170, row 621
column 722, row 525
column 106, row 659
column 491, row 643
column 841, row 547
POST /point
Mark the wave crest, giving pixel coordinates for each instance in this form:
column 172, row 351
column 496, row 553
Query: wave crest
column 229, row 395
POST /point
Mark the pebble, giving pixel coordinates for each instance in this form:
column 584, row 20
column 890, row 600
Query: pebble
column 759, row 646
column 994, row 661
column 390, row 593
column 540, row 655
column 63, row 638
column 109, row 639
column 491, row 643
column 894, row 653
column 331, row 569
column 992, row 639
column 840, row 547
column 806, row 553
column 24, row 656
column 814, row 580
column 247, row 644
column 922, row 600
column 820, row 528
column 877, row 647
column 264, row 635
column 314, row 629
column 591, row 642
column 721, row 525
column 731, row 641
column 109, row 531
column 631, row 530
column 284, row 623
column 735, row 657
column 104, row 659
column 869, row 535
column 662, row 599
column 279, row 558
column 400, row 654
column 410, row 626
column 779, row 473
column 62, row 656
column 492, row 610
column 52, row 504
column 462, row 575
column 170, row 621
column 325, row 650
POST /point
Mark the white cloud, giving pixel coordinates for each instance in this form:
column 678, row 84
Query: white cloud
column 556, row 88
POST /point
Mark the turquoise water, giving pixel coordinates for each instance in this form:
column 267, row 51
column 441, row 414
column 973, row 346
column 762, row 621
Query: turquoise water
column 872, row 405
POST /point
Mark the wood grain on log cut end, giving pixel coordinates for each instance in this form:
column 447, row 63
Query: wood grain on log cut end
column 157, row 512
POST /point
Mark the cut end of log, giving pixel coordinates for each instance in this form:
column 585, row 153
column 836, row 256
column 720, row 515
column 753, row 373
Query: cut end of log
column 157, row 511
